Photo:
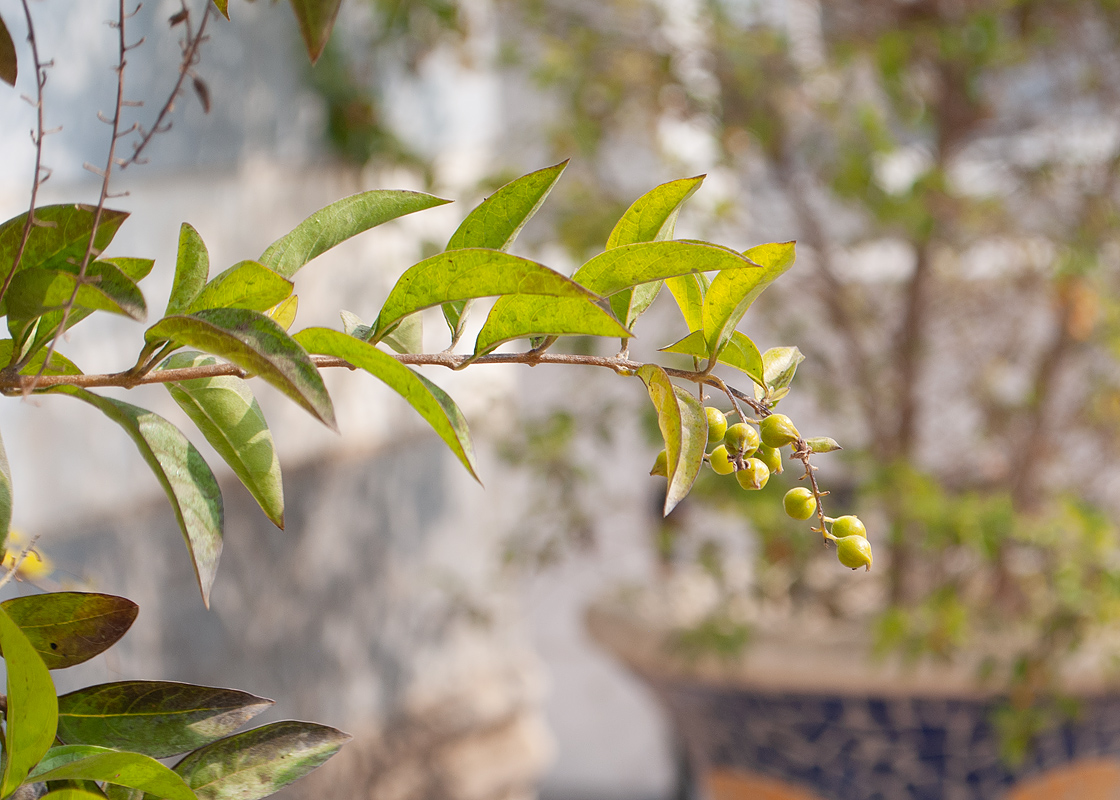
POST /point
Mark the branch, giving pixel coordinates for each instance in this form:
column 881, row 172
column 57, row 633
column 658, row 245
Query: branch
column 36, row 181
column 123, row 48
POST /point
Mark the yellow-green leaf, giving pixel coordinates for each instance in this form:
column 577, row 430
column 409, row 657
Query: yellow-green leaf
column 32, row 714
column 634, row 264
column 684, row 427
column 192, row 267
column 521, row 316
column 732, row 293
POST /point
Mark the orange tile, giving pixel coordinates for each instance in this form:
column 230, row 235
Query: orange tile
column 1096, row 779
column 731, row 784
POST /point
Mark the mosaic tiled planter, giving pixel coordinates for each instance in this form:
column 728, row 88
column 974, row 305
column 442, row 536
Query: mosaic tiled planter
column 783, row 725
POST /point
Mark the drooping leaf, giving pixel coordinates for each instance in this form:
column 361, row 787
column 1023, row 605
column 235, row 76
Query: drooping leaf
column 684, row 427
column 634, row 264
column 339, row 221
column 227, row 414
column 688, row 291
column 259, row 762
column 123, row 769
column 184, row 475
column 651, row 218
column 732, row 293
column 256, row 344
column 9, row 67
column 34, row 292
column 5, row 495
column 32, row 713
column 496, row 223
column 244, row 285
column 316, row 20
column 429, row 400
column 68, row 628
column 60, row 240
column 222, row 6
column 467, row 274
column 155, row 718
column 192, row 267
column 521, row 316
column 407, row 336
column 284, row 312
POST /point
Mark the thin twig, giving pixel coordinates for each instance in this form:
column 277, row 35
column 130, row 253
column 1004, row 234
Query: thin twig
column 22, row 557
column 191, row 43
column 36, row 180
column 123, row 49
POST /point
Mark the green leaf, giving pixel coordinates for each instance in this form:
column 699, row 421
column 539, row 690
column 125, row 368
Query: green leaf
column 634, row 264
column 779, row 366
column 32, row 714
column 684, row 427
column 155, row 718
column 5, row 495
column 339, row 221
column 284, row 313
column 520, row 316
column 222, row 6
column 123, row 769
column 244, row 285
column 316, row 19
column 114, row 792
column 651, row 218
column 60, row 241
column 60, row 364
column 740, row 353
column 184, row 475
column 192, row 267
column 466, row 274
column 428, row 399
column 68, row 628
column 60, row 755
column 823, row 444
column 34, row 292
column 227, row 414
column 259, row 762
column 135, row 268
column 407, row 336
column 732, row 293
column 73, row 794
column 258, row 345
column 496, row 223
column 9, row 69
column 688, row 291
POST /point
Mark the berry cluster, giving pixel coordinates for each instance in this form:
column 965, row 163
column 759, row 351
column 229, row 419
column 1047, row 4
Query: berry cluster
column 752, row 455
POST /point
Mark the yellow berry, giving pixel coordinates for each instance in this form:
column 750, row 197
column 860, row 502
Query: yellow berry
column 848, row 525
column 721, row 461
column 771, row 457
column 754, row 474
column 778, row 430
column 741, row 438
column 661, row 465
column 854, row 552
column 800, row 503
column 717, row 424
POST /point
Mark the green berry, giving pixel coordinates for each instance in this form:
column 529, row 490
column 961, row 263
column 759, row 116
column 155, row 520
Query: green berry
column 848, row 525
column 717, row 424
column 721, row 461
column 771, row 457
column 741, row 438
column 800, row 503
column 753, row 475
column 661, row 465
column 778, row 431
column 854, row 552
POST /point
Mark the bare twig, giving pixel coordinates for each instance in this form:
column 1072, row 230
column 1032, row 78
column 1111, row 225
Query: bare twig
column 190, row 45
column 37, row 179
column 16, row 564
column 91, row 245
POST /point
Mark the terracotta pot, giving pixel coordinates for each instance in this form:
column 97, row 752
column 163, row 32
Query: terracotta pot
column 806, row 717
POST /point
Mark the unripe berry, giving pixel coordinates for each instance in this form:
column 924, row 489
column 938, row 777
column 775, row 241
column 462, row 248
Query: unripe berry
column 717, row 424
column 848, row 525
column 771, row 457
column 778, row 431
column 854, row 552
column 741, row 438
column 800, row 503
column 721, row 461
column 661, row 465
column 754, row 474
